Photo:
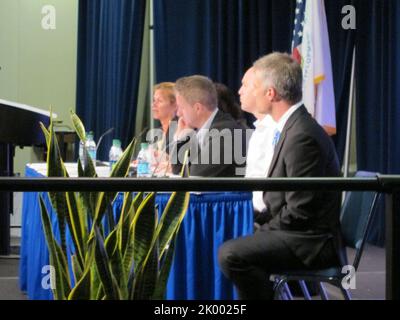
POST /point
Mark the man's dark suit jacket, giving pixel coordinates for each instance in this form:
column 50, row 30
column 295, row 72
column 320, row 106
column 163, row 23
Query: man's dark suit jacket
column 304, row 220
column 219, row 157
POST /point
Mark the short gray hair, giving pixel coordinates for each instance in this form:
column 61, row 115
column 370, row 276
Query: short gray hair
column 198, row 89
column 282, row 72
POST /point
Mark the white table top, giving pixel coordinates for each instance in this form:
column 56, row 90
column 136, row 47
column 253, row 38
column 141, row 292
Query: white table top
column 72, row 169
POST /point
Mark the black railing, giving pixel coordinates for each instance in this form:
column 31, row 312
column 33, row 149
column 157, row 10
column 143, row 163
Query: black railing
column 388, row 184
column 179, row 184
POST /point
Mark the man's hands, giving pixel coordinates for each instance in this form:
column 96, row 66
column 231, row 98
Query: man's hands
column 181, row 130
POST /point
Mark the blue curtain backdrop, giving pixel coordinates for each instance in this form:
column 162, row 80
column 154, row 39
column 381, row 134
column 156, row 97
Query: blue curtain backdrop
column 221, row 39
column 218, row 38
column 341, row 44
column 378, row 93
column 378, row 81
column 110, row 36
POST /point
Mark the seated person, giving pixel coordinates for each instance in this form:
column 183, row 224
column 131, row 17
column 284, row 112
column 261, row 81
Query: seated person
column 228, row 104
column 259, row 153
column 215, row 141
column 164, row 110
column 302, row 229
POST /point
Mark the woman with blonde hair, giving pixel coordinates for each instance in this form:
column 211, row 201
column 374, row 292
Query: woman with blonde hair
column 164, row 110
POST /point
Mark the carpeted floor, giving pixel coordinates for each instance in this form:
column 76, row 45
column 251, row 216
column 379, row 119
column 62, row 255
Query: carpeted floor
column 9, row 286
column 370, row 278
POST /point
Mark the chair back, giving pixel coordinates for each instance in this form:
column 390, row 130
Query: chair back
column 356, row 217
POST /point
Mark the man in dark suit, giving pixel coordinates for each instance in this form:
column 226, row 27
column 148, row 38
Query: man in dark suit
column 302, row 228
column 216, row 142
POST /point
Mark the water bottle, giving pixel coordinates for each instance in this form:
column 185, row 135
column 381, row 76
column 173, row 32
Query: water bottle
column 91, row 147
column 143, row 161
column 115, row 153
column 81, row 154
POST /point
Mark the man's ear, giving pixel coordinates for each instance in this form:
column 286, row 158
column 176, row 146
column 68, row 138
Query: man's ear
column 271, row 94
column 198, row 107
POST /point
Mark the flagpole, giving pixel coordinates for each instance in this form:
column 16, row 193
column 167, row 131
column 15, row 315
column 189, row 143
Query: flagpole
column 350, row 117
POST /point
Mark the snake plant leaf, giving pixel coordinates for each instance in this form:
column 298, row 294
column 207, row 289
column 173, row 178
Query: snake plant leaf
column 128, row 235
column 110, row 217
column 171, row 218
column 61, row 286
column 88, row 205
column 78, row 226
column 123, row 226
column 173, row 214
column 121, row 167
column 78, row 126
column 45, row 132
column 113, row 252
column 76, row 268
column 99, row 293
column 146, row 278
column 56, row 168
column 88, row 198
column 128, row 212
column 95, row 283
column 89, row 169
column 81, row 173
column 82, row 289
column 165, row 268
column 111, row 243
column 131, row 280
column 104, row 268
column 139, row 242
column 167, row 229
column 144, row 225
column 120, row 170
column 64, row 263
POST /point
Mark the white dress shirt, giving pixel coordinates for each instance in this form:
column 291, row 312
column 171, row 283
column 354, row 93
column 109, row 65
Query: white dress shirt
column 261, row 150
column 259, row 155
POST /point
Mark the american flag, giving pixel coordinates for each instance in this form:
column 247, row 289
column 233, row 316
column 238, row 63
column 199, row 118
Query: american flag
column 298, row 29
column 310, row 47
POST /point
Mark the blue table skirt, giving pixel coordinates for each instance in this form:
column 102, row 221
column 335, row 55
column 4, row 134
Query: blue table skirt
column 211, row 219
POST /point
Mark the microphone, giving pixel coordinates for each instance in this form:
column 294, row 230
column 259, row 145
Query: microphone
column 103, row 135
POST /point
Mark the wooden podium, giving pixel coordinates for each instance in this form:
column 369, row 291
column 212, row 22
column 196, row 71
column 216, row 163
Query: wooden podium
column 19, row 126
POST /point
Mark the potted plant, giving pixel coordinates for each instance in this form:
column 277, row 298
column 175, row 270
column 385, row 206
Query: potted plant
column 132, row 260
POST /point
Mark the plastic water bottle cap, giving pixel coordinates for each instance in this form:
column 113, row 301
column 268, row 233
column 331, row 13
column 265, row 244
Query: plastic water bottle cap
column 116, row 143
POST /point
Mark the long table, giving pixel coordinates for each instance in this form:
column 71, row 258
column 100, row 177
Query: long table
column 211, row 219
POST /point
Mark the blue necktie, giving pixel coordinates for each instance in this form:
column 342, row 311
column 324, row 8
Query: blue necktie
column 275, row 139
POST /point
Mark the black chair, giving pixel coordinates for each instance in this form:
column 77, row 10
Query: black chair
column 356, row 215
